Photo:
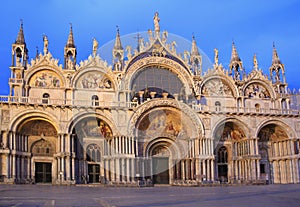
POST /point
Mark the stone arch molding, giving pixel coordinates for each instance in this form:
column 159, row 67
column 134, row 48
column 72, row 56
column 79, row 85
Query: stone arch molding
column 165, row 103
column 183, row 74
column 33, row 115
column 174, row 148
column 289, row 130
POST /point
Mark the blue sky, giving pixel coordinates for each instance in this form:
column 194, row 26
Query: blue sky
column 253, row 25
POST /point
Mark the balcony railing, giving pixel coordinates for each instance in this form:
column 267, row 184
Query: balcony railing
column 111, row 104
column 244, row 110
column 65, row 102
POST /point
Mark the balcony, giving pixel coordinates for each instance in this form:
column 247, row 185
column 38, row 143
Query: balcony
column 131, row 105
column 62, row 102
column 243, row 110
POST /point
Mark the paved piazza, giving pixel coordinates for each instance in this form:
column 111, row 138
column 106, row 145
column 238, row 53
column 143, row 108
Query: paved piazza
column 48, row 195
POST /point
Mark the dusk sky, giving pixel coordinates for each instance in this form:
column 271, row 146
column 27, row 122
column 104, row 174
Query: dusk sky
column 252, row 24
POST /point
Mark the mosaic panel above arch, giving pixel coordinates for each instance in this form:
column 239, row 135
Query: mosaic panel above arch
column 165, row 122
column 92, row 127
column 272, row 132
column 216, row 87
column 37, row 128
column 46, row 79
column 229, row 131
column 256, row 90
column 94, row 80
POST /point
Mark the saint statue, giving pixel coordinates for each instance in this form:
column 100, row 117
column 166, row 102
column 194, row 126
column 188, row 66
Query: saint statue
column 216, row 56
column 95, row 46
column 255, row 64
column 156, row 22
column 45, row 39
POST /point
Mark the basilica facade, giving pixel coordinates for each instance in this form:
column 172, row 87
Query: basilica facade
column 152, row 115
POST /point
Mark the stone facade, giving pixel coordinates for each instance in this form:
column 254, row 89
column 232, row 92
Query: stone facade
column 152, row 115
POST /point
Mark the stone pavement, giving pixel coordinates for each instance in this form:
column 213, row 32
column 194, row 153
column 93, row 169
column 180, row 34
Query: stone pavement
column 48, row 195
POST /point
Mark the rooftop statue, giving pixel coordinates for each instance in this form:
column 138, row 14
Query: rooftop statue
column 156, row 23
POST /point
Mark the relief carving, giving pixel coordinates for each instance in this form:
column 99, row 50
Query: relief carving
column 256, row 91
column 216, row 87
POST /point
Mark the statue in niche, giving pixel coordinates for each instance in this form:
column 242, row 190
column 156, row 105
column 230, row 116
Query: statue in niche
column 18, row 62
column 18, row 75
column 70, row 64
column 156, row 22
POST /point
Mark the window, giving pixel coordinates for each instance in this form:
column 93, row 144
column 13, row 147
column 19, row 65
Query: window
column 45, row 99
column 218, row 106
column 42, row 148
column 93, row 153
column 257, row 107
column 222, row 155
column 95, row 100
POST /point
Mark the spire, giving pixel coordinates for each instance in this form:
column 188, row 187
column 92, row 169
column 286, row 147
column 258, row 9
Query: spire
column 194, row 50
column 235, row 65
column 118, row 45
column 275, row 58
column 277, row 72
column 70, row 51
column 195, row 58
column 118, row 53
column 70, row 42
column 234, row 54
column 20, row 38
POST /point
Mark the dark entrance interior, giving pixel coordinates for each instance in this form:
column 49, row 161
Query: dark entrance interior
column 222, row 172
column 222, row 163
column 160, row 167
column 43, row 172
column 94, row 173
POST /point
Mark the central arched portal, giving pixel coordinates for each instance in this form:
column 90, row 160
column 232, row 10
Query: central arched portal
column 160, row 154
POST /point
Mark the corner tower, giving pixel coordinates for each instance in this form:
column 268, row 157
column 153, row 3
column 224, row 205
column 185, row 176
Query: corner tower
column 19, row 64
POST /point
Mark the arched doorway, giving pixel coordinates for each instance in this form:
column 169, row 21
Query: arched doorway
column 231, row 153
column 91, row 135
column 43, row 169
column 160, row 154
column 42, row 140
column 273, row 145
